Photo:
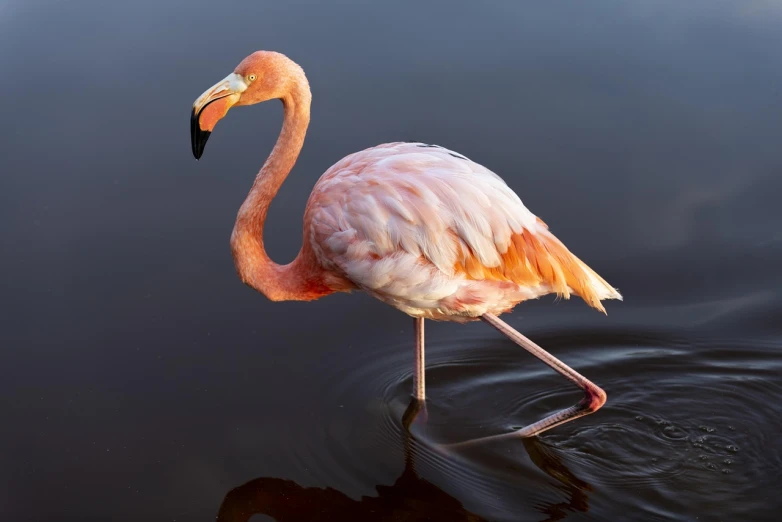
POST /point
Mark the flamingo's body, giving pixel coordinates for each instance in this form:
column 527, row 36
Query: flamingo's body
column 417, row 226
column 437, row 236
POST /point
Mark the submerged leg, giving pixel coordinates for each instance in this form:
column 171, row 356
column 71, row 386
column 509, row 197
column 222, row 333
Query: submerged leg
column 419, row 372
column 594, row 397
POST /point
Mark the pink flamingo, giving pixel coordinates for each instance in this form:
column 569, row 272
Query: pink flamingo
column 417, row 226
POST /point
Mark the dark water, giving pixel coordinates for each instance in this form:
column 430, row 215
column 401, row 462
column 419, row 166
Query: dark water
column 142, row 381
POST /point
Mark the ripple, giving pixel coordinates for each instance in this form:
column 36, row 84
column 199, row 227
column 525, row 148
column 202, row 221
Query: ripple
column 688, row 417
column 679, row 416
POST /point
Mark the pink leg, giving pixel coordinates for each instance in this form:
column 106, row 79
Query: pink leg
column 594, row 397
column 416, row 410
column 419, row 375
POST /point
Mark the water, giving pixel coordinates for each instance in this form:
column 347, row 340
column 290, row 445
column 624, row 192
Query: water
column 142, row 381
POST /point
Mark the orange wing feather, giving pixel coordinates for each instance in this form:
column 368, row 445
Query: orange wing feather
column 539, row 258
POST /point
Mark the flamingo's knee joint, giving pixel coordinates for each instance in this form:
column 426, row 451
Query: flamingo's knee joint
column 594, row 399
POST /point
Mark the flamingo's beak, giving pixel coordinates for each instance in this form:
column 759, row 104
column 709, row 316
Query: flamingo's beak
column 211, row 106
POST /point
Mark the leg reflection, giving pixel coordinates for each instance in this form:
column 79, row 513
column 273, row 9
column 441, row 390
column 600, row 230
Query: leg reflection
column 409, row 498
column 550, row 463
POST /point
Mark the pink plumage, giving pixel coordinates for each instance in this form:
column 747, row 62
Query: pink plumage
column 417, row 226
column 401, row 221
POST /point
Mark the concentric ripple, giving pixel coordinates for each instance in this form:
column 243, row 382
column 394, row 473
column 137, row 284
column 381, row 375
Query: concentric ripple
column 688, row 425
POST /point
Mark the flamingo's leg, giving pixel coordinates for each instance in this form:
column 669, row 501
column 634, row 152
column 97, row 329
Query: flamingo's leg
column 594, row 396
column 416, row 410
column 419, row 372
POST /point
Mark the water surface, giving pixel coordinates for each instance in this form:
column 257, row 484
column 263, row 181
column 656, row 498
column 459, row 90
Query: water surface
column 142, row 381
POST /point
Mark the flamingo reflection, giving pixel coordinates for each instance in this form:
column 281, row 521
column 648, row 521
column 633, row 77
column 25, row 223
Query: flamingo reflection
column 409, row 498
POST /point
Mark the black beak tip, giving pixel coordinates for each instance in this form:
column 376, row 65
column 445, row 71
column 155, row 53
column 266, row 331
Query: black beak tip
column 198, row 137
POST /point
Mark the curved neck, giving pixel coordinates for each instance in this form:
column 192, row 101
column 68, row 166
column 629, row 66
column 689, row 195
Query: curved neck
column 297, row 280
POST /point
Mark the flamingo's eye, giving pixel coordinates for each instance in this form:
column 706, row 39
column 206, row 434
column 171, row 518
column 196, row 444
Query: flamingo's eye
column 252, row 77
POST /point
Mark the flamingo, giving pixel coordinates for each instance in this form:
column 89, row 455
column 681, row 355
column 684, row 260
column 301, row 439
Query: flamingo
column 415, row 225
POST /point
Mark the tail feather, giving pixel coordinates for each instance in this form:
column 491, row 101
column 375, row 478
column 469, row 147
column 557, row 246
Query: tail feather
column 535, row 258
column 578, row 277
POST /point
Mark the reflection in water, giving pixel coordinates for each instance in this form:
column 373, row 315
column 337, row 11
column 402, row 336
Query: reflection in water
column 545, row 458
column 410, row 498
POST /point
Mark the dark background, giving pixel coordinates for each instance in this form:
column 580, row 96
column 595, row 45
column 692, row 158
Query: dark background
column 142, row 381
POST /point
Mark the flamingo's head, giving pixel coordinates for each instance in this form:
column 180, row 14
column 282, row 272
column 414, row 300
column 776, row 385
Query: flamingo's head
column 262, row 76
